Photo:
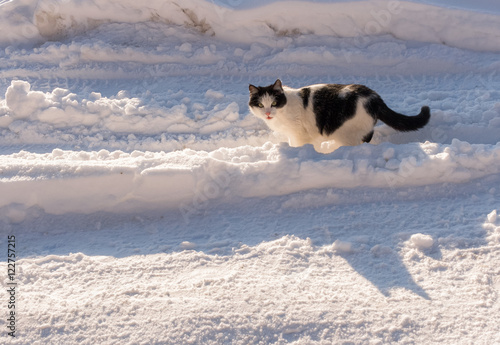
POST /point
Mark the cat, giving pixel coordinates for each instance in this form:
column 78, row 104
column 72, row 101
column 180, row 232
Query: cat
column 327, row 116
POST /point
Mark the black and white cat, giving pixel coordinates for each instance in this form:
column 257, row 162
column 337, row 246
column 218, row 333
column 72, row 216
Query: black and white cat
column 327, row 115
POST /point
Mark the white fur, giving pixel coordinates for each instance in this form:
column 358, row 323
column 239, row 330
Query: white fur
column 299, row 124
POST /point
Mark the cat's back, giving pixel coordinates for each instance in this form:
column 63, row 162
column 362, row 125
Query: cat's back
column 318, row 95
column 340, row 90
column 303, row 96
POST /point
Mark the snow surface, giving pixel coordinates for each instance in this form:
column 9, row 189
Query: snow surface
column 150, row 207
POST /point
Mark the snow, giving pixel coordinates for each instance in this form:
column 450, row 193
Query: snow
column 421, row 241
column 150, row 207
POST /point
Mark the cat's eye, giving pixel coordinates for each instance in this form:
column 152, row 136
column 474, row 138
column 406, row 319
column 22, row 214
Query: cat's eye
column 274, row 104
column 261, row 105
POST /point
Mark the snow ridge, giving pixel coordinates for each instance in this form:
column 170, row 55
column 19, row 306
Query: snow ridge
column 142, row 180
column 49, row 20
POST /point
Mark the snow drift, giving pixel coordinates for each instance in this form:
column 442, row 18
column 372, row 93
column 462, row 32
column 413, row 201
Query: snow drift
column 149, row 206
column 39, row 21
column 70, row 181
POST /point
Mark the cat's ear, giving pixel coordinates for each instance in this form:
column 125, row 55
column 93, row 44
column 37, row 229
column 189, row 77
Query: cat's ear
column 253, row 89
column 278, row 86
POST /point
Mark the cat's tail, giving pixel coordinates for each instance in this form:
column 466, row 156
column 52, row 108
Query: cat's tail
column 398, row 121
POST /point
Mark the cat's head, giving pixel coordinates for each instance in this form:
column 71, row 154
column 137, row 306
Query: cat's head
column 266, row 100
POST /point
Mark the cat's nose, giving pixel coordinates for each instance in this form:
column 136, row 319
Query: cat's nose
column 268, row 113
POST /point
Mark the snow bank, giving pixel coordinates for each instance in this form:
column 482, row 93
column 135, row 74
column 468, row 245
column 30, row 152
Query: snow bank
column 60, row 117
column 62, row 109
column 71, row 181
column 34, row 22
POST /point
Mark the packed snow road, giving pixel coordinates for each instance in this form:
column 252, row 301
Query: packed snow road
column 148, row 205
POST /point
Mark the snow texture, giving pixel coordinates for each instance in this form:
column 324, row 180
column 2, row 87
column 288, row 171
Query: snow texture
column 150, row 207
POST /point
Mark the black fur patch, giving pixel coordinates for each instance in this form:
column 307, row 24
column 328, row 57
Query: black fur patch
column 333, row 105
column 374, row 105
column 305, row 93
column 332, row 110
column 367, row 138
column 278, row 96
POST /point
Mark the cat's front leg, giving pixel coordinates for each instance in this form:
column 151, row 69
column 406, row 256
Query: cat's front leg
column 293, row 143
column 296, row 141
column 326, row 146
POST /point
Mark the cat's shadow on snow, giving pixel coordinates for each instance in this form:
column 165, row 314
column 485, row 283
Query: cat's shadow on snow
column 386, row 271
column 376, row 232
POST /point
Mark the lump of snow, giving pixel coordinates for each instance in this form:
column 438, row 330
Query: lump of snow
column 186, row 245
column 421, row 241
column 405, row 321
column 341, row 246
column 186, row 47
column 16, row 213
column 22, row 101
column 393, row 164
column 380, row 250
column 492, row 216
column 389, row 153
column 95, row 95
column 57, row 153
column 122, row 94
column 215, row 95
